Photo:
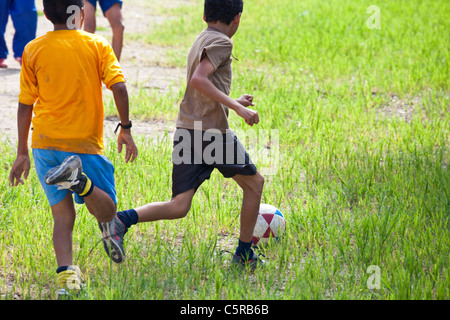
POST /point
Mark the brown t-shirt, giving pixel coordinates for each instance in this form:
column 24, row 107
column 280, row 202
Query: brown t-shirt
column 195, row 105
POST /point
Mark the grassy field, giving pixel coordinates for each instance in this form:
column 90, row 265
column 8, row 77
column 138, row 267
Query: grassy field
column 363, row 178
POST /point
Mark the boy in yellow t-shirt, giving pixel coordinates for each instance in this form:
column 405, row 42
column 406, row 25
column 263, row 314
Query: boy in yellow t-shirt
column 61, row 82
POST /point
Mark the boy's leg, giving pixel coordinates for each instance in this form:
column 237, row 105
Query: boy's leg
column 68, row 275
column 115, row 18
column 90, row 24
column 24, row 17
column 62, row 207
column 4, row 15
column 252, row 187
column 176, row 208
column 64, row 219
column 104, row 209
column 100, row 205
column 238, row 166
column 63, row 211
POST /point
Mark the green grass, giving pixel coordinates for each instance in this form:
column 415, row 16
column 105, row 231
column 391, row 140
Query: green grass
column 363, row 119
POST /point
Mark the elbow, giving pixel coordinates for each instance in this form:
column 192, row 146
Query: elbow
column 195, row 82
column 119, row 87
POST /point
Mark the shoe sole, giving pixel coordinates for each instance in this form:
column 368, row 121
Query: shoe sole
column 116, row 253
column 64, row 171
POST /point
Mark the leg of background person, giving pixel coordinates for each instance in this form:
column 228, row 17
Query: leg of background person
column 90, row 24
column 24, row 17
column 64, row 219
column 176, row 208
column 115, row 18
column 252, row 187
column 4, row 16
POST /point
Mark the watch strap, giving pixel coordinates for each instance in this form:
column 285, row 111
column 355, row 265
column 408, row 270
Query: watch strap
column 128, row 126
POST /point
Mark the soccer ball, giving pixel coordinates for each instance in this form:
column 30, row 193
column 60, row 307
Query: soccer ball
column 270, row 223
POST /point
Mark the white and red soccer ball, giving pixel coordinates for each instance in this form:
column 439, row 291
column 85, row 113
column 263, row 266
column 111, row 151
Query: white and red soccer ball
column 270, row 224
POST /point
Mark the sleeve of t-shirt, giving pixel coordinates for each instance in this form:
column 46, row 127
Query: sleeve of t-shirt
column 28, row 83
column 111, row 70
column 218, row 52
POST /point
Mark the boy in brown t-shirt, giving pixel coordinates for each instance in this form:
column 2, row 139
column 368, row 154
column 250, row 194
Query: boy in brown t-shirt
column 203, row 140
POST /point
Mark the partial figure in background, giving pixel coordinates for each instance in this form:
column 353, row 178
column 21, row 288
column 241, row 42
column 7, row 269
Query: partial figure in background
column 112, row 10
column 24, row 17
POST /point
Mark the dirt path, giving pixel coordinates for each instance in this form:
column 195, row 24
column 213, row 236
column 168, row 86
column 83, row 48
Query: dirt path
column 138, row 62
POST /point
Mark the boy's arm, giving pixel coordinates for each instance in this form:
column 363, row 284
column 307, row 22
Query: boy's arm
column 121, row 99
column 22, row 163
column 200, row 81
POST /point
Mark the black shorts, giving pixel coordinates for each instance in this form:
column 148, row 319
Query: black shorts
column 197, row 153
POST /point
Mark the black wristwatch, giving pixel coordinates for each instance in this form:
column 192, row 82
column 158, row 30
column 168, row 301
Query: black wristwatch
column 128, row 126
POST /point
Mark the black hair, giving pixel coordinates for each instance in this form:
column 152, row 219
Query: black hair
column 56, row 10
column 222, row 10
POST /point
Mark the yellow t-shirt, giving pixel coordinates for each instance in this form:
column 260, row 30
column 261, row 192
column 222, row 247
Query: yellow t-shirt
column 62, row 75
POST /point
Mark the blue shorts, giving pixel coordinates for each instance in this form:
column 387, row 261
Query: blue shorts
column 97, row 167
column 105, row 4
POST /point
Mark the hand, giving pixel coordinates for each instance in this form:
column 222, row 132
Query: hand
column 125, row 138
column 246, row 100
column 250, row 116
column 20, row 166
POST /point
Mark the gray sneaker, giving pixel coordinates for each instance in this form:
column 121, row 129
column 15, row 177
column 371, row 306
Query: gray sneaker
column 65, row 175
column 112, row 238
column 69, row 175
column 254, row 263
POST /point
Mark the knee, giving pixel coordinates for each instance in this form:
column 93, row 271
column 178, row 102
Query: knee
column 118, row 27
column 255, row 185
column 180, row 210
column 259, row 183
